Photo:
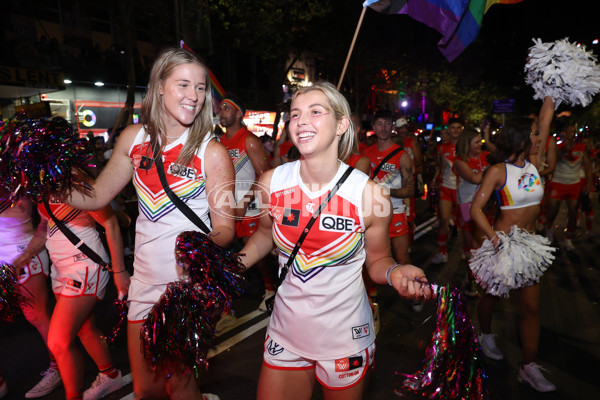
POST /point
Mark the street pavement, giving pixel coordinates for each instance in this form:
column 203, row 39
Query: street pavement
column 569, row 344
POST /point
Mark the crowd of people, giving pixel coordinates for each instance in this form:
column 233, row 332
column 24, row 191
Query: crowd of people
column 333, row 207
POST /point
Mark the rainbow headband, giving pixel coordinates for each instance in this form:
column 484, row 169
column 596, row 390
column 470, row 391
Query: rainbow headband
column 233, row 103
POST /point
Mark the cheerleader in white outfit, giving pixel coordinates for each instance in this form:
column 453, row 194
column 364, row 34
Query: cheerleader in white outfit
column 321, row 328
column 516, row 184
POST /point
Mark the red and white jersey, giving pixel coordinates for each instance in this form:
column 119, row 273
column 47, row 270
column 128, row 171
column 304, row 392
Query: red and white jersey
column 389, row 175
column 448, row 155
column 245, row 176
column 569, row 165
column 466, row 190
column 321, row 309
column 160, row 221
column 62, row 252
column 409, row 143
column 16, row 228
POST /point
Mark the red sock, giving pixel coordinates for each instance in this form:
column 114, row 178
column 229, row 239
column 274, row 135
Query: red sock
column 71, row 396
column 442, row 242
column 109, row 370
column 53, row 364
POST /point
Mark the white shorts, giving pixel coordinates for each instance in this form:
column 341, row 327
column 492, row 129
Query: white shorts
column 79, row 278
column 336, row 374
column 142, row 297
column 39, row 264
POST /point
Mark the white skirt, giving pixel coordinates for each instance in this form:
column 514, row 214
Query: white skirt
column 520, row 260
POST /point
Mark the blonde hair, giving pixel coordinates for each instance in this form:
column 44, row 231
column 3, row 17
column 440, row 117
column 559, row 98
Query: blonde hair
column 153, row 111
column 463, row 146
column 340, row 108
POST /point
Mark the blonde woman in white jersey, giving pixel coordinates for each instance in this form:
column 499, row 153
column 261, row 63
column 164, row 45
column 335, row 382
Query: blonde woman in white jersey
column 177, row 119
column 322, row 326
column 517, row 185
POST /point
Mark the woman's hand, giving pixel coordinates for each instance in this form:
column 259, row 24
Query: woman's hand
column 410, row 282
column 21, row 261
column 121, row 280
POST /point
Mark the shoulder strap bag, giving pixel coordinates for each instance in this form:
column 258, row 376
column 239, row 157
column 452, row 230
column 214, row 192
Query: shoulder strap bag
column 385, row 159
column 180, row 204
column 284, row 270
column 78, row 243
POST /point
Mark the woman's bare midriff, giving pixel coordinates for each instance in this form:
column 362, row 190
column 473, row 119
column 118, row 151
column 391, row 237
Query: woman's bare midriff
column 524, row 218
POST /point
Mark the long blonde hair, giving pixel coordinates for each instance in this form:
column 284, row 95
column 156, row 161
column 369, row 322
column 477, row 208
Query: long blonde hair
column 463, row 145
column 153, row 111
column 340, row 108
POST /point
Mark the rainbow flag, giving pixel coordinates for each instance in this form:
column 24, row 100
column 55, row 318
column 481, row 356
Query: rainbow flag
column 469, row 27
column 459, row 21
column 216, row 89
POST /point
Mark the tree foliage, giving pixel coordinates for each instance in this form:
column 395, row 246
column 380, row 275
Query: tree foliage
column 270, row 28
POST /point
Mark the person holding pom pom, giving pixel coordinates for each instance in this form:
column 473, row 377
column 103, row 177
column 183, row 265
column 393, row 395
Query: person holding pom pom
column 22, row 245
column 79, row 278
column 321, row 327
column 176, row 130
column 512, row 257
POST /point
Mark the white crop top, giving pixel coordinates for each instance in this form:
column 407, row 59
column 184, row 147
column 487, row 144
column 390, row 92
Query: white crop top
column 522, row 187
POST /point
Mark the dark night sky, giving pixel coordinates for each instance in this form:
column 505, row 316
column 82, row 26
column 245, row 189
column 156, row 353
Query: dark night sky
column 502, row 45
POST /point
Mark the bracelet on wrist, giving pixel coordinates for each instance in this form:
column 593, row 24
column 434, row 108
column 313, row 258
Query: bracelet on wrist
column 389, row 271
column 118, row 272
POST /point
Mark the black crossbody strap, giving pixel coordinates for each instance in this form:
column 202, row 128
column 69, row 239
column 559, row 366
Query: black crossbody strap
column 385, row 159
column 184, row 208
column 314, row 218
column 73, row 238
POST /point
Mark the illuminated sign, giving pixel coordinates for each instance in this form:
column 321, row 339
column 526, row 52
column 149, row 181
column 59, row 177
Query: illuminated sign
column 99, row 116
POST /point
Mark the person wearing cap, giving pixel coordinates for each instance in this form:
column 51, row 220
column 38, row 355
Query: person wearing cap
column 250, row 160
column 411, row 145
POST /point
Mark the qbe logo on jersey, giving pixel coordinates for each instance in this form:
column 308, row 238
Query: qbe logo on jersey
column 336, row 223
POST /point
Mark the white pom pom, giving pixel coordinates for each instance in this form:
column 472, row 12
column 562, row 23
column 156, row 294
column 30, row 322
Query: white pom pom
column 562, row 71
column 520, row 261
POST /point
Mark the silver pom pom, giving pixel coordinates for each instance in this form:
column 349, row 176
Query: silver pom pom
column 520, row 260
column 562, row 71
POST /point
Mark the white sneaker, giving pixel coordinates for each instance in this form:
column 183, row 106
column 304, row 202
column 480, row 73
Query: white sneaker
column 210, row 396
column 439, row 258
column 268, row 294
column 226, row 321
column 50, row 381
column 102, row 386
column 488, row 345
column 531, row 374
column 568, row 245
